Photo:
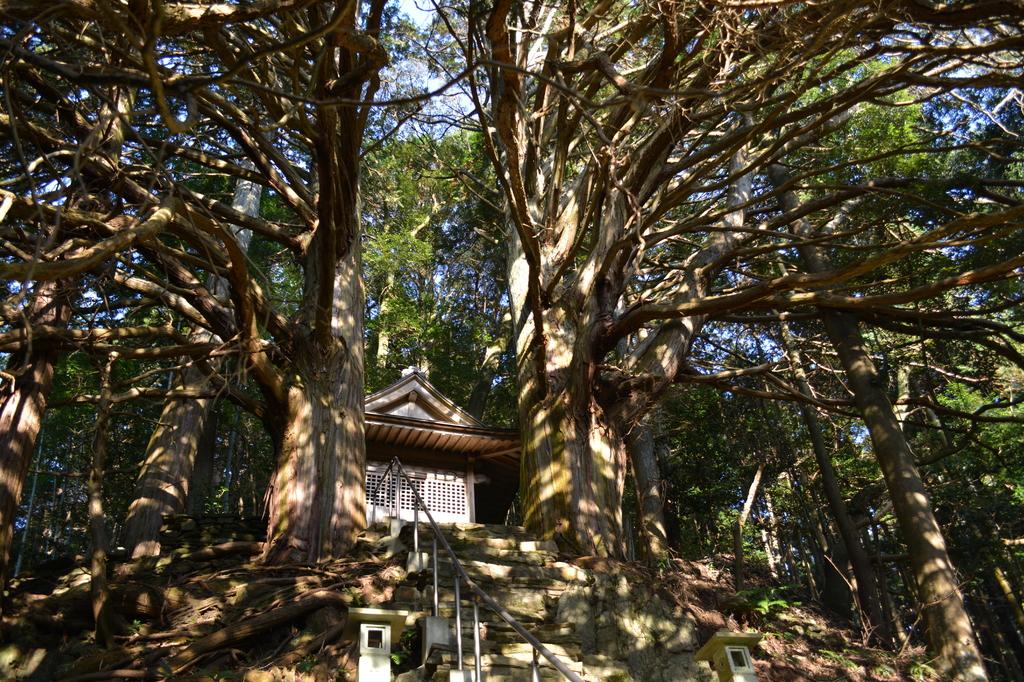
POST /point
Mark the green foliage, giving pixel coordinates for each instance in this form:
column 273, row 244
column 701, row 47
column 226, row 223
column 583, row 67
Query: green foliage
column 840, row 658
column 766, row 601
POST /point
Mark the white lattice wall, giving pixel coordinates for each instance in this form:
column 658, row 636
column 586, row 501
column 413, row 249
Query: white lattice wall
column 444, row 492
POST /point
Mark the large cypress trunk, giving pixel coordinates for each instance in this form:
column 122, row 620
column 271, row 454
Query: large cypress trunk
column 574, row 454
column 22, row 406
column 164, row 481
column 317, row 500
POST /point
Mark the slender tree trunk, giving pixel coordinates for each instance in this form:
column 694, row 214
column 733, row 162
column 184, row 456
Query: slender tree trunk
column 229, row 464
column 25, row 534
column 643, row 457
column 867, row 587
column 485, row 377
column 22, row 406
column 383, row 334
column 1010, row 596
column 769, row 536
column 106, row 620
column 997, row 639
column 741, row 521
column 949, row 627
column 163, row 484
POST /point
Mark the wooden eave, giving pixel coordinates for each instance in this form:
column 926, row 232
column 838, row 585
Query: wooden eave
column 390, row 429
column 411, row 416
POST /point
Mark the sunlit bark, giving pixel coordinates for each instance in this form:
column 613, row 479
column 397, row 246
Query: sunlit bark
column 737, row 530
column 163, row 484
column 317, row 503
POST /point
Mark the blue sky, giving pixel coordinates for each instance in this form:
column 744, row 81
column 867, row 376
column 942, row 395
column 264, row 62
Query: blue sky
column 417, row 10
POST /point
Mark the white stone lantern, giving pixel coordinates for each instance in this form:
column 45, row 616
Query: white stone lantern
column 377, row 629
column 730, row 653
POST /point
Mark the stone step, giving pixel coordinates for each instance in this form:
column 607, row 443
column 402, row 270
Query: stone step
column 503, row 555
column 460, row 543
column 496, row 674
column 564, row 651
column 528, row 614
column 410, row 590
column 558, row 633
column 520, row 660
column 598, row 667
column 556, row 571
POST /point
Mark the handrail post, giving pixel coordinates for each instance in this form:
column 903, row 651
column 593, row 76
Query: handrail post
column 458, row 574
column 435, row 574
column 476, row 637
column 395, row 481
column 416, row 536
column 458, row 619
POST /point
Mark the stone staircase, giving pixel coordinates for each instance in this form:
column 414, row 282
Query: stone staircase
column 579, row 615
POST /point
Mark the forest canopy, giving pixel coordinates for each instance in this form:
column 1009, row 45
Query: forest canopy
column 745, row 275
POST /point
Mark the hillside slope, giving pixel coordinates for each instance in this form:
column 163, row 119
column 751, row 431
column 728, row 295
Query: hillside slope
column 206, row 610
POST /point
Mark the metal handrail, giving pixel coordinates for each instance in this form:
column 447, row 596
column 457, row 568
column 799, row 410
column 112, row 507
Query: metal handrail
column 480, row 594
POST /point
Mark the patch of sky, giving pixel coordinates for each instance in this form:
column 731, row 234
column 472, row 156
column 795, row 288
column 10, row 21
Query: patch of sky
column 419, row 12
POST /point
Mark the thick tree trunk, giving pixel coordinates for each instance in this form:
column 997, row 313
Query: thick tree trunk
column 164, row 481
column 643, row 457
column 202, row 481
column 22, row 406
column 864, row 573
column 741, row 521
column 950, row 632
column 573, row 467
column 317, row 499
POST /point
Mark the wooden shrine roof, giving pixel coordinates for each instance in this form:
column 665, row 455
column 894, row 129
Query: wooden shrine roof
column 411, row 414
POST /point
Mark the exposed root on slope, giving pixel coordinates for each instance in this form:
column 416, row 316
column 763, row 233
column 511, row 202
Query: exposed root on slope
column 206, row 608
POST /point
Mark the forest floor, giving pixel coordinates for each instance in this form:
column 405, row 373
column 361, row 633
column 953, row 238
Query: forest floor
column 802, row 639
column 212, row 613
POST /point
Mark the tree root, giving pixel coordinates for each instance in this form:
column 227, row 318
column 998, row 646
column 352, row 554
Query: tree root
column 126, row 674
column 255, row 625
column 312, row 646
column 223, row 550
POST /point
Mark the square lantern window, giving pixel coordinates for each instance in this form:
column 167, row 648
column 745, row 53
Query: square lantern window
column 375, row 638
column 739, row 659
